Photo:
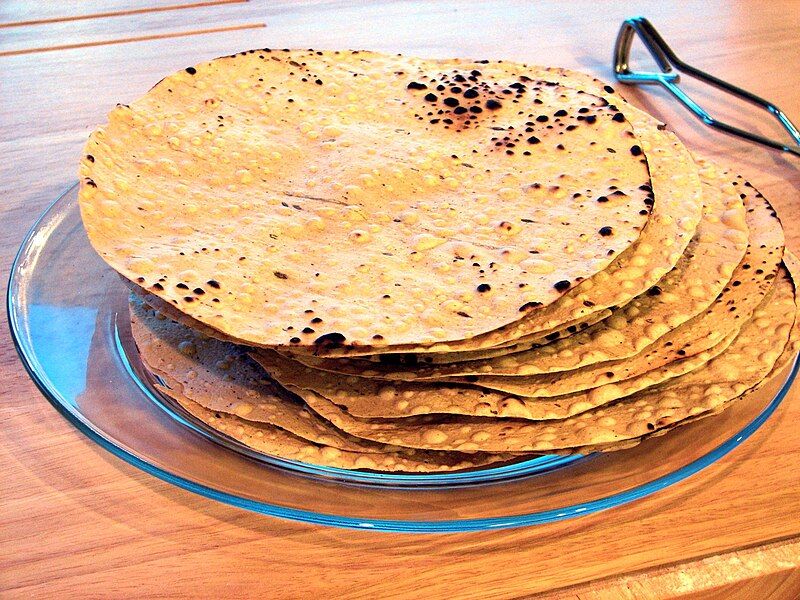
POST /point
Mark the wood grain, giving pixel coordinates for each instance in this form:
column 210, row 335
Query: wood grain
column 128, row 40
column 75, row 521
column 124, row 12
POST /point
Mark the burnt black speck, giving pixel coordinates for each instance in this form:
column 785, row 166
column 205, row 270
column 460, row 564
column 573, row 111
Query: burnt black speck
column 561, row 286
column 330, row 339
column 529, row 305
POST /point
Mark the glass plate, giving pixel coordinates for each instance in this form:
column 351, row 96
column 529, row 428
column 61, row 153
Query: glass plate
column 69, row 320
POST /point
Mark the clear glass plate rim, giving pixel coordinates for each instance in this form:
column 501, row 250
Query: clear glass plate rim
column 386, row 525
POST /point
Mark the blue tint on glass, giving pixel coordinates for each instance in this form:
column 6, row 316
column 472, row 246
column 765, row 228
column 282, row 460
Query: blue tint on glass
column 56, row 343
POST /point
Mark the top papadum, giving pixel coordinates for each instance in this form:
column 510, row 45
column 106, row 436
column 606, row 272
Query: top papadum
column 302, row 197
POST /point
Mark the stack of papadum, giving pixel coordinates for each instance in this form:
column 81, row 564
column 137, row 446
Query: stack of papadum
column 388, row 263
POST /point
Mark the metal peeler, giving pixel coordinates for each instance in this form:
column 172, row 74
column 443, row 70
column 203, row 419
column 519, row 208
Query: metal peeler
column 669, row 78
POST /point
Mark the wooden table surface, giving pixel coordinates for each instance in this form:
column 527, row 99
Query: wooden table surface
column 77, row 522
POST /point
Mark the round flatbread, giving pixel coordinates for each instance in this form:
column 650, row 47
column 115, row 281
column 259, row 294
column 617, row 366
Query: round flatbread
column 325, row 199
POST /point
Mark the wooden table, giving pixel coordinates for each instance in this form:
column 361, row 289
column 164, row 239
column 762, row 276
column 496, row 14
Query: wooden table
column 77, row 522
